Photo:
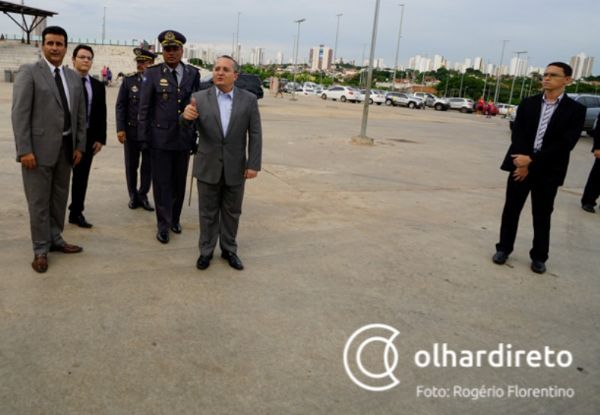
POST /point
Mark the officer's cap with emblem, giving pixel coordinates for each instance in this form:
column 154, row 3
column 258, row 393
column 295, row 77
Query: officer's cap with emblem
column 142, row 55
column 171, row 38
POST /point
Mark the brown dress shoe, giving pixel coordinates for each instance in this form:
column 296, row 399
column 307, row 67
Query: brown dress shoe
column 40, row 263
column 66, row 248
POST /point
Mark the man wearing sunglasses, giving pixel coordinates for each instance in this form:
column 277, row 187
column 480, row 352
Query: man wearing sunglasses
column 166, row 90
column 545, row 131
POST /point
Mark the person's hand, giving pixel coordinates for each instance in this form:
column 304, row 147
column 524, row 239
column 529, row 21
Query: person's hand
column 520, row 173
column 250, row 174
column 28, row 161
column 190, row 112
column 77, row 155
column 597, row 153
column 121, row 136
column 521, row 160
column 97, row 147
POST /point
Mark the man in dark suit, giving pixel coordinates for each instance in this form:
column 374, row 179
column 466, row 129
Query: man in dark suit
column 545, row 131
column 228, row 125
column 95, row 100
column 127, row 107
column 48, row 119
column 166, row 90
column 592, row 187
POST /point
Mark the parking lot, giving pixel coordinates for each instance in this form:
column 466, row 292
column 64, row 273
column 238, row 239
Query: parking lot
column 334, row 236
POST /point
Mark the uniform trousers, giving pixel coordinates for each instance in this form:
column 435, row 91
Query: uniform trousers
column 169, row 171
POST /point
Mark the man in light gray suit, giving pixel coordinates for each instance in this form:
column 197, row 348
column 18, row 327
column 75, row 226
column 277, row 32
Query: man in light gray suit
column 48, row 119
column 229, row 152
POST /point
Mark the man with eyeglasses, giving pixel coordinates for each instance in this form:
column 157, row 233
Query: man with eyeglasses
column 48, row 119
column 545, row 131
column 166, row 90
column 95, row 105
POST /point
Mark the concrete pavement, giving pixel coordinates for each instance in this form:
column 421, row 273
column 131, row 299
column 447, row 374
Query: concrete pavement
column 333, row 236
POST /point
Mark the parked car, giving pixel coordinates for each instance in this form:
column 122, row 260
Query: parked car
column 249, row 82
column 592, row 103
column 309, row 88
column 338, row 92
column 403, row 99
column 505, row 109
column 432, row 101
column 461, row 104
column 292, row 86
column 376, row 96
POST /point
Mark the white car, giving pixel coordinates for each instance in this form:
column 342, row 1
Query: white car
column 338, row 92
column 375, row 97
column 309, row 88
column 505, row 109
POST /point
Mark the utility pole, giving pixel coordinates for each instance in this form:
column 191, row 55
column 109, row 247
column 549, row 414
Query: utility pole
column 296, row 57
column 237, row 39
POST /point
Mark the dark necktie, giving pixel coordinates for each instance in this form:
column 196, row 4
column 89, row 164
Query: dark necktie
column 175, row 76
column 63, row 100
column 87, row 100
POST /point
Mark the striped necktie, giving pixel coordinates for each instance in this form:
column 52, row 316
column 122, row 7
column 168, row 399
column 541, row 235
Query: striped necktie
column 547, row 111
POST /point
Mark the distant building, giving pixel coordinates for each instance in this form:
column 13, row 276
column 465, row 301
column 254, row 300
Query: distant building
column 257, row 56
column 279, row 58
column 320, row 58
column 518, row 67
column 582, row 65
column 478, row 64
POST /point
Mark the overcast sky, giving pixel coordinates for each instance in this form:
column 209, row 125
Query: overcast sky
column 456, row 29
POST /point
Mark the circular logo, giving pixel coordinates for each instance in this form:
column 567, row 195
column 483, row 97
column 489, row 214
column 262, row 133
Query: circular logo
column 373, row 335
column 170, row 36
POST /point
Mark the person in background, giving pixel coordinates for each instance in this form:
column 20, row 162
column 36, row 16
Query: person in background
column 127, row 108
column 592, row 187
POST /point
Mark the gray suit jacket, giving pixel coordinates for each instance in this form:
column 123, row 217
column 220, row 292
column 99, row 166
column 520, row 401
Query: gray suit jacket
column 37, row 116
column 232, row 154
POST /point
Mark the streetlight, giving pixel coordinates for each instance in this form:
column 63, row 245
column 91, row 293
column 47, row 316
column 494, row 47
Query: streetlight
column 337, row 32
column 517, row 66
column 524, row 78
column 504, row 42
column 362, row 138
column 237, row 39
column 462, row 77
column 296, row 57
column 397, row 48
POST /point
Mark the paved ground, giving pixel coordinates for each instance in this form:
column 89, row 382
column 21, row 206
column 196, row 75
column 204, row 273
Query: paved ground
column 334, row 236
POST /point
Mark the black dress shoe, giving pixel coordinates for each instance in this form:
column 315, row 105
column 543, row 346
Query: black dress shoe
column 203, row 261
column 147, row 206
column 588, row 208
column 176, row 228
column 538, row 266
column 163, row 237
column 233, row 259
column 80, row 221
column 500, row 257
column 133, row 204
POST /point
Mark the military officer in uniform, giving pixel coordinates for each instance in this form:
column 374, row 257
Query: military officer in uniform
column 128, row 102
column 166, row 90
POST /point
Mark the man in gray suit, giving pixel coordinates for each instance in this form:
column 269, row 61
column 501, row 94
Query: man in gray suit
column 48, row 118
column 228, row 125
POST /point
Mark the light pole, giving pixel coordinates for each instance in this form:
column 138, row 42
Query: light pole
column 337, row 32
column 237, row 39
column 517, row 66
column 462, row 77
column 397, row 48
column 497, row 92
column 296, row 57
column 362, row 138
column 524, row 78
